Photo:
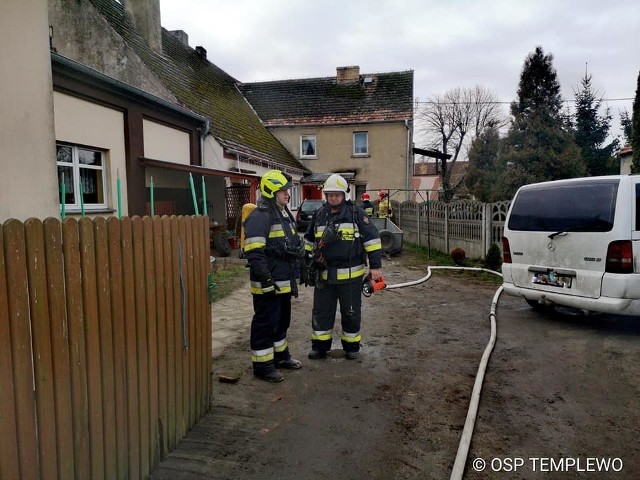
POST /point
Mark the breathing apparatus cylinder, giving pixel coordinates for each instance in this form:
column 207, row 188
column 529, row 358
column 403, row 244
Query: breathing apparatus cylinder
column 247, row 208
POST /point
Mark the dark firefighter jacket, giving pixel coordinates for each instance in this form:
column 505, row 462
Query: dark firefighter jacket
column 368, row 208
column 264, row 248
column 342, row 242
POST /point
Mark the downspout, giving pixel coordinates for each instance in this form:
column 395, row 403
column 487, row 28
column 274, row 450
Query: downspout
column 409, row 176
column 203, row 136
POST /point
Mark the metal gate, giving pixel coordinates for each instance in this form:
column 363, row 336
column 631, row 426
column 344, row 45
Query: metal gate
column 236, row 196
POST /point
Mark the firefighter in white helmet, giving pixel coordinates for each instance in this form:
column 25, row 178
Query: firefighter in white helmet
column 340, row 239
column 273, row 249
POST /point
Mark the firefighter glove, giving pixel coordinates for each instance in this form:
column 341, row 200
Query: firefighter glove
column 267, row 283
column 305, row 275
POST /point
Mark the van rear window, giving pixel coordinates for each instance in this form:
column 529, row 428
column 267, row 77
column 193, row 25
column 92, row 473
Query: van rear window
column 587, row 206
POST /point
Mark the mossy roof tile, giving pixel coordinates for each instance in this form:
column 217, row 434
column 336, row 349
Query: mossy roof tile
column 386, row 97
column 204, row 88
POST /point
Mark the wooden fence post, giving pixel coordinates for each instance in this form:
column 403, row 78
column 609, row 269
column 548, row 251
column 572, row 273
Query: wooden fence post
column 41, row 344
column 15, row 257
column 9, row 455
column 115, row 246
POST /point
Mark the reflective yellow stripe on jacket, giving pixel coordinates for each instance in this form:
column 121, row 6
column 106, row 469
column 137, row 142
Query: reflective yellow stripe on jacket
column 254, row 243
column 349, row 273
column 372, row 245
column 308, row 246
column 276, row 231
column 284, row 285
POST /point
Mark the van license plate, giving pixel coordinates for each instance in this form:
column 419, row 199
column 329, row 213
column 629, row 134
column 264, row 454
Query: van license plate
column 552, row 279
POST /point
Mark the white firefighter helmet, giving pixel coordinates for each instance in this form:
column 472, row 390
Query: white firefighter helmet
column 336, row 183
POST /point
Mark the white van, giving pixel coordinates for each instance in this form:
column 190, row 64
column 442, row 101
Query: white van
column 575, row 243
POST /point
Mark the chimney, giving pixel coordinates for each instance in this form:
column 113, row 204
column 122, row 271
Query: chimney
column 145, row 17
column 182, row 36
column 201, row 51
column 347, row 74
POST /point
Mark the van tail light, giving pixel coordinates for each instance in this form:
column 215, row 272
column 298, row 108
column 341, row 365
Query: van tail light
column 620, row 257
column 506, row 250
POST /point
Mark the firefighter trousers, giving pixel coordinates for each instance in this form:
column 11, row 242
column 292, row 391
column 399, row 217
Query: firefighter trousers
column 325, row 301
column 271, row 320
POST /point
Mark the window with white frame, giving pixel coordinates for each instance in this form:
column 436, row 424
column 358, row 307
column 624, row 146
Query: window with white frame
column 308, row 146
column 361, row 143
column 82, row 170
column 295, row 194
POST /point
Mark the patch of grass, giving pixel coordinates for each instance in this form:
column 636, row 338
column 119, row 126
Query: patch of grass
column 419, row 257
column 228, row 280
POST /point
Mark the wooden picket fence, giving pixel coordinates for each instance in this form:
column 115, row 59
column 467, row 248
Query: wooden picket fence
column 105, row 344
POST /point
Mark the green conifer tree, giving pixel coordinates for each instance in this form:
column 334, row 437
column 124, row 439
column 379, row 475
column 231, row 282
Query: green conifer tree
column 591, row 130
column 484, row 167
column 635, row 129
column 538, row 146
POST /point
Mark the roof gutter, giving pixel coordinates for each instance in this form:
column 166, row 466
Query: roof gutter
column 342, row 123
column 151, row 162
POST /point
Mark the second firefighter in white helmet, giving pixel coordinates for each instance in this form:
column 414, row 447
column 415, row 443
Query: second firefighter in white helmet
column 340, row 240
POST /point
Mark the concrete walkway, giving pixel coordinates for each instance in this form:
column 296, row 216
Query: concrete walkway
column 231, row 315
column 230, row 319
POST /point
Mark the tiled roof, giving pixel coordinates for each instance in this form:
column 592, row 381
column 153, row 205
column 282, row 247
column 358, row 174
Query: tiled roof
column 626, row 150
column 322, row 101
column 204, row 88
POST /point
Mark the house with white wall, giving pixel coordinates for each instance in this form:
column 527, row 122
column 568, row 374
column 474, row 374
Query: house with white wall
column 27, row 137
column 125, row 41
column 100, row 122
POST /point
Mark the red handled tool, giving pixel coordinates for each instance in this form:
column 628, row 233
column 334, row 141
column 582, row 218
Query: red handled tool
column 369, row 285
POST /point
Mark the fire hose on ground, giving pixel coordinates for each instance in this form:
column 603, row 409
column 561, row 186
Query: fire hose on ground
column 457, row 471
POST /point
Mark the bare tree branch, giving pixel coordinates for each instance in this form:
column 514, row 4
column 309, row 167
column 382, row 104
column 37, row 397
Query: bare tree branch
column 451, row 121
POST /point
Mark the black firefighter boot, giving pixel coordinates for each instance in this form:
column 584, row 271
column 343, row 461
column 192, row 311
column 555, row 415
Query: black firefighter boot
column 268, row 373
column 290, row 364
column 317, row 354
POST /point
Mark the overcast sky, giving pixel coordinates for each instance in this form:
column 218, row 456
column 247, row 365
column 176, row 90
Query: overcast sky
column 454, row 43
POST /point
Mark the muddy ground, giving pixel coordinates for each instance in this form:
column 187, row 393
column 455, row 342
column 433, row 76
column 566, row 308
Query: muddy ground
column 560, row 391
